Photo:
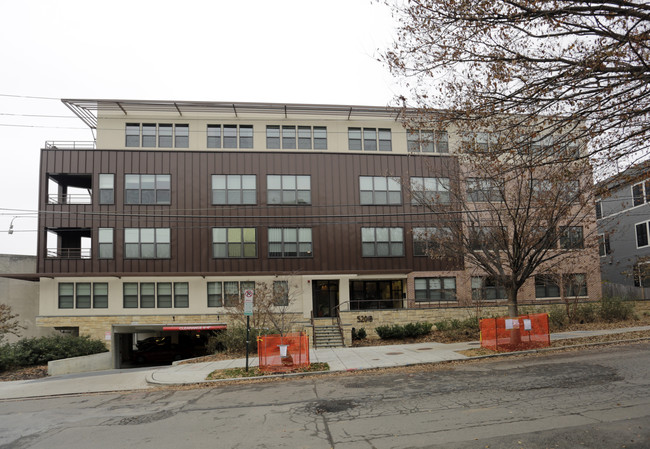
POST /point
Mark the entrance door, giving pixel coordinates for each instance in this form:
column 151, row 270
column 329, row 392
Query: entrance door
column 325, row 295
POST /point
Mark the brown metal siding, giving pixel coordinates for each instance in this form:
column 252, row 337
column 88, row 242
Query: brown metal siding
column 336, row 232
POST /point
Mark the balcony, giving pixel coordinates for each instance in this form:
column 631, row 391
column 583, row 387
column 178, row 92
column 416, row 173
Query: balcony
column 68, row 243
column 67, row 188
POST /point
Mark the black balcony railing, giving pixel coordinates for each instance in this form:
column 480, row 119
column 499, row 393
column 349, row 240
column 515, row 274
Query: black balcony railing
column 69, row 253
column 69, row 145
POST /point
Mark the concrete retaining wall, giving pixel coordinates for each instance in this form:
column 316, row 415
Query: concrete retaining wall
column 83, row 364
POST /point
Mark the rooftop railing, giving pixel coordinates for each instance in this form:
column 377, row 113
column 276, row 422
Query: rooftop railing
column 69, row 145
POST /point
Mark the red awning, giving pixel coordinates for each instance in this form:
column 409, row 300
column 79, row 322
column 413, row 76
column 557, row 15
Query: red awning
column 194, row 328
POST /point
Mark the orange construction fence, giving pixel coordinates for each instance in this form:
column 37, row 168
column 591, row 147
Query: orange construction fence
column 512, row 334
column 283, row 353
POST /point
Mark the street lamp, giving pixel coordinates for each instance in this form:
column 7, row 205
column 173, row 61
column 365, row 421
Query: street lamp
column 11, row 226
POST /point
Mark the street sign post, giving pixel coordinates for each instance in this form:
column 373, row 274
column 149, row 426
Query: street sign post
column 248, row 312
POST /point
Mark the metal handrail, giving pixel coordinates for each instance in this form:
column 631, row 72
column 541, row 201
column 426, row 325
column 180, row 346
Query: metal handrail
column 70, row 145
column 69, row 253
column 70, row 198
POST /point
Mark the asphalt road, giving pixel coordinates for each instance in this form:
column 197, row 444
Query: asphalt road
column 597, row 398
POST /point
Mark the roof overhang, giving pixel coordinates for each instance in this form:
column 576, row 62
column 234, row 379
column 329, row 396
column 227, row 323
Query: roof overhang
column 88, row 110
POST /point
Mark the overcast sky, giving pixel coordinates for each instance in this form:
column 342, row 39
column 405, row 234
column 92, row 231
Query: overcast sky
column 289, row 51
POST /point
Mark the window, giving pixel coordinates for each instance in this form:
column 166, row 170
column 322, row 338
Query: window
column 149, row 295
column 289, row 137
column 603, row 245
column 165, row 136
column 182, row 136
column 571, row 237
column 546, row 286
column 181, row 295
column 482, row 142
column 641, row 193
column 485, row 238
column 130, row 297
column 149, row 135
column 234, row 189
column 215, row 294
column 483, row 190
column 642, row 234
column 83, row 295
column 100, row 295
column 234, row 290
column 105, row 243
column 575, row 285
column 425, row 239
column 234, row 242
column 290, row 242
column 164, row 299
column 132, row 134
column 288, row 189
column 147, row 243
column 486, row 288
column 66, row 295
column 379, row 190
column 382, row 242
column 435, row 289
column 106, row 188
column 429, row 190
column 373, row 139
column 214, row 136
column 147, row 189
column 599, row 209
column 381, row 294
column 233, row 136
column 281, row 293
column 427, row 141
column 641, row 272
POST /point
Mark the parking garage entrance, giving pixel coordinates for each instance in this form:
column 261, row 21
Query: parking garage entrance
column 148, row 345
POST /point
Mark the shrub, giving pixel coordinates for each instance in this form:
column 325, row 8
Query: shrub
column 390, row 332
column 359, row 334
column 38, row 351
column 585, row 313
column 410, row 330
column 614, row 309
column 233, row 340
column 557, row 317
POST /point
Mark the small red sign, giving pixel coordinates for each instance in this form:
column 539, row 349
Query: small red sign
column 194, row 328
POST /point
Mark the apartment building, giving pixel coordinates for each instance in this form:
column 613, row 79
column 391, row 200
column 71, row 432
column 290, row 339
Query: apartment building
column 177, row 208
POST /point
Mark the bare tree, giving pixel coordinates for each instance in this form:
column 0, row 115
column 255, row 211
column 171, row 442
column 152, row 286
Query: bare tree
column 272, row 307
column 511, row 221
column 565, row 69
column 9, row 323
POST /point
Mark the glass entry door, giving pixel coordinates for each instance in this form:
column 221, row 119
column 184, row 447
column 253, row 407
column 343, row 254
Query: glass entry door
column 325, row 295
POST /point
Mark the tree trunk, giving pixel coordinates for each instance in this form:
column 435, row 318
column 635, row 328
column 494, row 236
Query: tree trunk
column 513, row 313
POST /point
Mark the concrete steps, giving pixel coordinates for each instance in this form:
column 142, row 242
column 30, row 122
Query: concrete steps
column 327, row 336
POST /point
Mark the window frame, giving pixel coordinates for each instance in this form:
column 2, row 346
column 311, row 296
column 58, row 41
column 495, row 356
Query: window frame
column 286, row 192
column 243, row 245
column 423, row 196
column 231, row 179
column 604, row 248
column 446, row 295
column 641, row 196
column 370, row 197
column 159, row 243
column 427, row 141
column 483, row 190
column 548, row 283
column 157, row 192
column 102, row 244
column 370, row 139
column 571, row 237
column 104, row 180
column 642, row 240
column 285, row 243
column 389, row 243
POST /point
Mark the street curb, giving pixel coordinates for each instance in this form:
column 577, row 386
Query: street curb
column 150, row 377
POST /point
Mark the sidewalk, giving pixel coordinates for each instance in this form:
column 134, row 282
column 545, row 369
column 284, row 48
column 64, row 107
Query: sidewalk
column 348, row 359
column 339, row 359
